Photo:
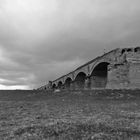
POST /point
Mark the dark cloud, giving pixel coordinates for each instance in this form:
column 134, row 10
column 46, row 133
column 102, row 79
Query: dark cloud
column 41, row 40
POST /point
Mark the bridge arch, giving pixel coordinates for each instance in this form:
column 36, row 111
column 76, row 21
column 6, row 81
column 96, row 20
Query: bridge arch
column 54, row 86
column 80, row 80
column 100, row 62
column 99, row 75
column 68, row 82
column 60, row 84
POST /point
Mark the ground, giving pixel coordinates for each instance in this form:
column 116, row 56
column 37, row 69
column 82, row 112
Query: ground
column 77, row 115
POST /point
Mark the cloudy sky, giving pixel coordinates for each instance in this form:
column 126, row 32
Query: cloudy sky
column 41, row 40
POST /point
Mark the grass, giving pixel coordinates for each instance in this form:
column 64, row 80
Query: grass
column 76, row 115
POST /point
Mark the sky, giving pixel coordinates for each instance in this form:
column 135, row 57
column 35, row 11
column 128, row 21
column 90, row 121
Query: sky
column 40, row 40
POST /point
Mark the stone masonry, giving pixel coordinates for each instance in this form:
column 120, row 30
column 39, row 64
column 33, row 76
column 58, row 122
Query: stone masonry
column 117, row 69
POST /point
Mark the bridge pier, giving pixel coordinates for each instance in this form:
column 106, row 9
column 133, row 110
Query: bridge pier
column 72, row 85
column 87, row 83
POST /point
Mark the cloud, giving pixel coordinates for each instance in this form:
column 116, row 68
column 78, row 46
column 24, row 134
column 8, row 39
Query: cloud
column 41, row 40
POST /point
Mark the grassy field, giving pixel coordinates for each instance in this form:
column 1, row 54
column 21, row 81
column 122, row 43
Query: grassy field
column 77, row 115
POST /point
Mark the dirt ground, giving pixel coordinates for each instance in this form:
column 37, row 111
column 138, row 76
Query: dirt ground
column 65, row 115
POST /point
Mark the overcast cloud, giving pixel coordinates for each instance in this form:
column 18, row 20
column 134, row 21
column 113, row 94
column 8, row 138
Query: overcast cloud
column 41, row 40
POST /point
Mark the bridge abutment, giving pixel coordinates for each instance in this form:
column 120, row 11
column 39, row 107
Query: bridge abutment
column 118, row 76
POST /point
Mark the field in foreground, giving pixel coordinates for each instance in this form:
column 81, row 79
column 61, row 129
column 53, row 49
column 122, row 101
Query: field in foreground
column 77, row 115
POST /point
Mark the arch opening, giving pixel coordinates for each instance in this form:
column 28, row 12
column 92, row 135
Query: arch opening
column 137, row 49
column 99, row 75
column 53, row 86
column 68, row 83
column 80, row 80
column 60, row 84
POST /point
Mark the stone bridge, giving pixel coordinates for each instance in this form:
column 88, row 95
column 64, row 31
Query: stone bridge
column 119, row 68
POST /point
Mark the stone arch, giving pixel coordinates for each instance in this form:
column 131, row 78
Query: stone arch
column 137, row 49
column 68, row 82
column 54, row 86
column 99, row 63
column 99, row 75
column 80, row 80
column 60, row 84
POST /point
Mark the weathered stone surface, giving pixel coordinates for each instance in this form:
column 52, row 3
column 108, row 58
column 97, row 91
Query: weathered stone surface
column 118, row 76
column 134, row 75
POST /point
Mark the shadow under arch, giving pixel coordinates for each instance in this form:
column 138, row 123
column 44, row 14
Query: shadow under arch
column 54, row 86
column 60, row 84
column 67, row 83
column 99, row 75
column 80, row 80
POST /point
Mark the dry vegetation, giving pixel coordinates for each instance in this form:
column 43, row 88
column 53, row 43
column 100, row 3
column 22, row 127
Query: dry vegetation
column 88, row 115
